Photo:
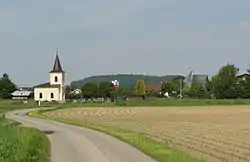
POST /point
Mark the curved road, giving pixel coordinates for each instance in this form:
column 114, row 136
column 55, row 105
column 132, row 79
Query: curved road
column 76, row 144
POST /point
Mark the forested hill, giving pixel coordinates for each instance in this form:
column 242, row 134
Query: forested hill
column 126, row 80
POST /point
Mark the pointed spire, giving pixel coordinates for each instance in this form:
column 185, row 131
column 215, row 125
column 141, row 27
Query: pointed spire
column 57, row 51
column 57, row 65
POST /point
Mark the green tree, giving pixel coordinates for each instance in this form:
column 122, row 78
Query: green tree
column 67, row 92
column 140, row 89
column 224, row 82
column 67, row 89
column 105, row 89
column 126, row 92
column 163, row 88
column 209, row 88
column 186, row 91
column 174, row 86
column 167, row 87
column 242, row 87
column 6, row 86
column 90, row 90
column 198, row 91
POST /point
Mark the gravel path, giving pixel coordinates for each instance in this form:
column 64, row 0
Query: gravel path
column 76, row 144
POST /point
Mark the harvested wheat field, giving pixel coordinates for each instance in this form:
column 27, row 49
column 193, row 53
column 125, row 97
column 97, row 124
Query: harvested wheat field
column 216, row 133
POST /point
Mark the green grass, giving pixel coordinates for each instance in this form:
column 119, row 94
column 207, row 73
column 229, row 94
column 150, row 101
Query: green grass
column 21, row 144
column 183, row 102
column 158, row 102
column 159, row 151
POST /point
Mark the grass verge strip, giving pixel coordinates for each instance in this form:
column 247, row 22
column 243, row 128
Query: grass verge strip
column 155, row 149
column 18, row 143
column 22, row 144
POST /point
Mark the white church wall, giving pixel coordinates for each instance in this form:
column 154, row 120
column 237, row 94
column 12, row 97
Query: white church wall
column 60, row 78
column 46, row 94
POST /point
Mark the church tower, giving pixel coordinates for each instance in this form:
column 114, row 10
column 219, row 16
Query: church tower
column 57, row 77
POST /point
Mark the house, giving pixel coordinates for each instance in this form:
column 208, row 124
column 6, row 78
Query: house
column 53, row 90
column 21, row 94
column 154, row 87
column 200, row 79
column 76, row 92
column 243, row 76
column 195, row 78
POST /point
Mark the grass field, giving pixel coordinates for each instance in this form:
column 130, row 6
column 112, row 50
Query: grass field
column 21, row 144
column 216, row 133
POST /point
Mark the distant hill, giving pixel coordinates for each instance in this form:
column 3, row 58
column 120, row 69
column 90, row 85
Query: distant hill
column 126, row 80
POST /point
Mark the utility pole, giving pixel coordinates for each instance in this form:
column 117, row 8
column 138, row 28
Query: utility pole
column 180, row 88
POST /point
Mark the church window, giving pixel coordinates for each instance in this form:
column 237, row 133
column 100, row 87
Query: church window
column 40, row 95
column 56, row 79
column 52, row 95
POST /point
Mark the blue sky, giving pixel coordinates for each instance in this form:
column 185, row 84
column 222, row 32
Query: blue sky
column 134, row 36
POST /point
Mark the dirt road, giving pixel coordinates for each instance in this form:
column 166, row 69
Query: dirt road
column 76, row 144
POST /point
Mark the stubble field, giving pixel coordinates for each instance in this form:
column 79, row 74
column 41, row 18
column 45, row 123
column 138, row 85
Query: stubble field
column 216, row 133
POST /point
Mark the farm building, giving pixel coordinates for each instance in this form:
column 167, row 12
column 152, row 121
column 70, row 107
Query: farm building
column 154, row 87
column 21, row 94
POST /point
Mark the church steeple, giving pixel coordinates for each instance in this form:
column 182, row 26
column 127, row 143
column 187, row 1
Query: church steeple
column 57, row 68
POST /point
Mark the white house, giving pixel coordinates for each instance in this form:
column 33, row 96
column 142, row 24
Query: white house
column 54, row 90
column 76, row 91
column 20, row 94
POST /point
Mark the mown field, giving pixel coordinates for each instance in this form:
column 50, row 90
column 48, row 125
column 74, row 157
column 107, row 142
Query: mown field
column 21, row 144
column 215, row 133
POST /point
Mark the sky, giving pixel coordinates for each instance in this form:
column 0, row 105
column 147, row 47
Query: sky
column 154, row 37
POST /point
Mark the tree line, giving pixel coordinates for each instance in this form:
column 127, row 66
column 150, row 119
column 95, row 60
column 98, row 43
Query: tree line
column 126, row 80
column 225, row 84
column 6, row 86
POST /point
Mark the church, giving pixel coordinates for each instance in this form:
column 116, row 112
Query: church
column 53, row 90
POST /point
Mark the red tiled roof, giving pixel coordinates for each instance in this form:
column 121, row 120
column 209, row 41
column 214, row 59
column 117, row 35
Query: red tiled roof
column 242, row 75
column 155, row 86
column 47, row 85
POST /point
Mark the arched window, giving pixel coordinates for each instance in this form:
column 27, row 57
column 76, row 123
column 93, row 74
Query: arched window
column 52, row 95
column 56, row 79
column 40, row 95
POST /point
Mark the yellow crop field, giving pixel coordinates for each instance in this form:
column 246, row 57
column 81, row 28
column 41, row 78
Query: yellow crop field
column 216, row 133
